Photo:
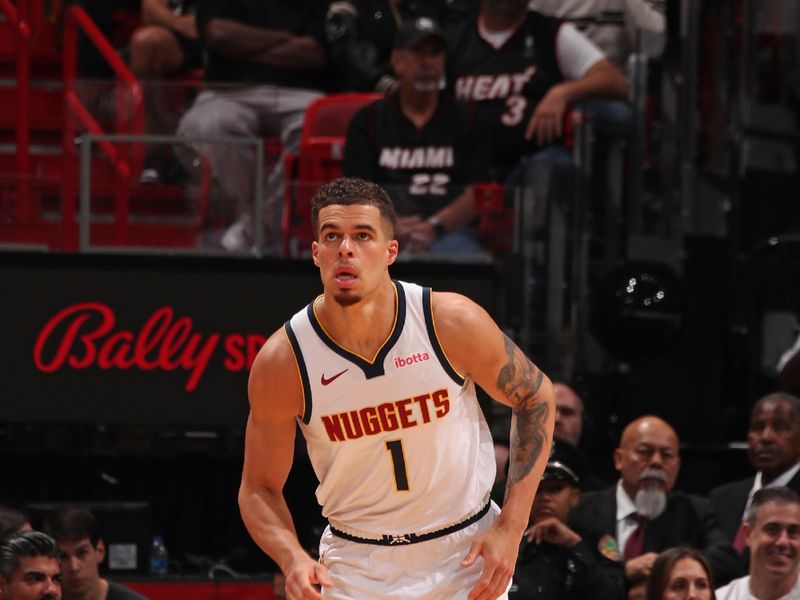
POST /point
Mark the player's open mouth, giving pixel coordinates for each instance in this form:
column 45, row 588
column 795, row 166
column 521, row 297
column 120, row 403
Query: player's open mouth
column 345, row 277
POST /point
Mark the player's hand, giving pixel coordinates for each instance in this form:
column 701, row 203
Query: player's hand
column 547, row 121
column 303, row 578
column 639, row 568
column 554, row 531
column 498, row 547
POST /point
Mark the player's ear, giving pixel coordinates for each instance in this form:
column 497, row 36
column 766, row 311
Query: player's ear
column 315, row 253
column 391, row 251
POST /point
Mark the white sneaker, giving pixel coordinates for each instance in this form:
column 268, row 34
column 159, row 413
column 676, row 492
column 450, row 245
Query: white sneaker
column 239, row 236
column 149, row 177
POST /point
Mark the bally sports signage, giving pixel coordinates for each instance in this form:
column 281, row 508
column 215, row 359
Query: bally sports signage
column 86, row 335
column 155, row 340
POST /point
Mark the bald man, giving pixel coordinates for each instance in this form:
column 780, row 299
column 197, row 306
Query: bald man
column 773, row 449
column 643, row 515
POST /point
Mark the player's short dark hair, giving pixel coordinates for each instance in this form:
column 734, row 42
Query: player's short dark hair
column 72, row 523
column 779, row 495
column 24, row 544
column 352, row 190
column 11, row 521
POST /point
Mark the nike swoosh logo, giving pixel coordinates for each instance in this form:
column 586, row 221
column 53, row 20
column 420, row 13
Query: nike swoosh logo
column 325, row 381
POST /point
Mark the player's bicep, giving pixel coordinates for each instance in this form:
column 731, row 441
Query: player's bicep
column 268, row 454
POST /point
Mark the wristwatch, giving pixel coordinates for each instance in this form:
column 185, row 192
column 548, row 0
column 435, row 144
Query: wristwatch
column 438, row 226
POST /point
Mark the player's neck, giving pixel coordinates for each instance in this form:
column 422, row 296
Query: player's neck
column 364, row 327
column 418, row 107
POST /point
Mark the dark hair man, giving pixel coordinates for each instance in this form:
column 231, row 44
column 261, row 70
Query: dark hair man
column 81, row 549
column 29, row 567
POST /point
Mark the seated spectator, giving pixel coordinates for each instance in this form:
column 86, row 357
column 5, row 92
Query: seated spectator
column 273, row 54
column 12, row 521
column 554, row 561
column 165, row 44
column 680, row 573
column 772, row 531
column 569, row 413
column 611, row 24
column 773, row 448
column 81, row 549
column 643, row 515
column 423, row 148
column 167, row 41
column 29, row 567
column 524, row 70
column 569, row 426
column 360, row 35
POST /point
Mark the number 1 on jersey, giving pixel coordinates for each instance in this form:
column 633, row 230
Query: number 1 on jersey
column 395, row 448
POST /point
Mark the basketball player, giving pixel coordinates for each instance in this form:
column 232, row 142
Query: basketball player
column 381, row 376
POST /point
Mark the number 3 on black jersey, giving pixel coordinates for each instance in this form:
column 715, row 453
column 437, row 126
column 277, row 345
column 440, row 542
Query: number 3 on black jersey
column 395, row 449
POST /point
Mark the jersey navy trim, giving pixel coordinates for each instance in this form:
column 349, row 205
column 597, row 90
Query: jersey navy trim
column 437, row 347
column 375, row 368
column 301, row 364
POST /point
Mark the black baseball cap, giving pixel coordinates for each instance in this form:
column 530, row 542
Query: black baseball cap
column 416, row 30
column 566, row 463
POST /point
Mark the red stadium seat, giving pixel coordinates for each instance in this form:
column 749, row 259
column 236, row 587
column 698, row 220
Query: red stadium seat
column 319, row 160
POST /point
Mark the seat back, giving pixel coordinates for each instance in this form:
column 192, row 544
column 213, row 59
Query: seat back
column 318, row 161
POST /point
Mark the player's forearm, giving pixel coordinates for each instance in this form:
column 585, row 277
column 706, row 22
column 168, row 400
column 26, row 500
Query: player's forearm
column 602, row 80
column 530, row 395
column 268, row 520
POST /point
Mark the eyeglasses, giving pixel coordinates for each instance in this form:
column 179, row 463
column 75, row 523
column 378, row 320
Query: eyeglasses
column 646, row 453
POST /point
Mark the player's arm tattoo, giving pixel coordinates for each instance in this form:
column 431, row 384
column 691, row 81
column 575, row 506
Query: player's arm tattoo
column 520, row 380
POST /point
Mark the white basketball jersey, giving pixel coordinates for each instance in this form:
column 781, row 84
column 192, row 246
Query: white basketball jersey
column 398, row 441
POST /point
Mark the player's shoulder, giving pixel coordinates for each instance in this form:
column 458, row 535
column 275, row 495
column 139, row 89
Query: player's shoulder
column 456, row 314
column 274, row 368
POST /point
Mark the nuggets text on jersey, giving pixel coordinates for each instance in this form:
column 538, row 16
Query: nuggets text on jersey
column 388, row 416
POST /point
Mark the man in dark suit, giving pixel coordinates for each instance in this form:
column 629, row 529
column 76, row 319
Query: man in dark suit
column 773, row 448
column 642, row 515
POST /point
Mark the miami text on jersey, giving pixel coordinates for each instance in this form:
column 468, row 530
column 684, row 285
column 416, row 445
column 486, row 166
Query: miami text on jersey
column 422, row 157
column 389, row 416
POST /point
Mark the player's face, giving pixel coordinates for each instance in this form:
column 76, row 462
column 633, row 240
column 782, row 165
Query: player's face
column 80, row 563
column 421, row 67
column 774, row 540
column 36, row 578
column 773, row 437
column 353, row 251
column 687, row 581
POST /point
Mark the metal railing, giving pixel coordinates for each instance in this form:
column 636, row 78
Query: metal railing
column 129, row 119
column 19, row 17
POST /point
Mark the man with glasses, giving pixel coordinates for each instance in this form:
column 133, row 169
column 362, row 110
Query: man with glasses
column 642, row 515
column 773, row 448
